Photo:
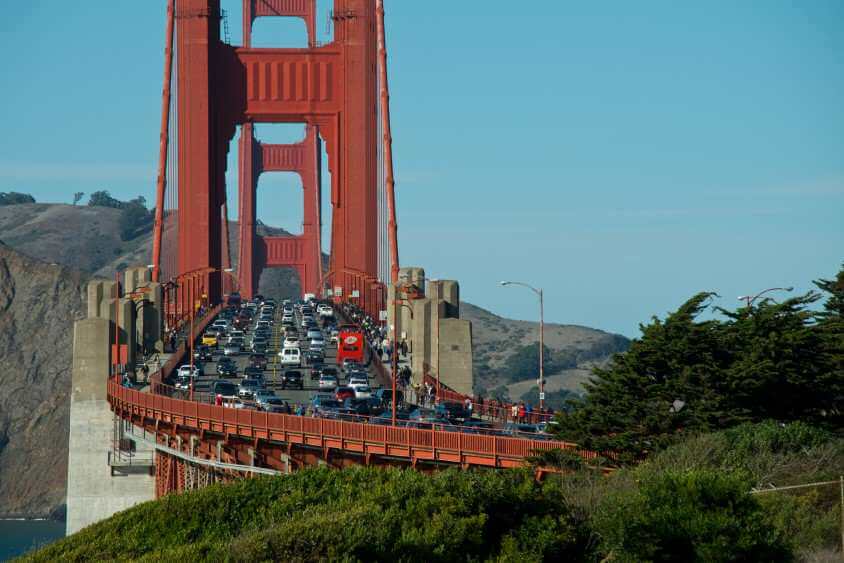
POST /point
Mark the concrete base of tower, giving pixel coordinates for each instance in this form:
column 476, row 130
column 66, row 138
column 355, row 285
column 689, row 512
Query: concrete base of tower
column 94, row 489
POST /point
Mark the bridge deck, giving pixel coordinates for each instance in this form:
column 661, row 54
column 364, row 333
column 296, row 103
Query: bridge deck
column 410, row 444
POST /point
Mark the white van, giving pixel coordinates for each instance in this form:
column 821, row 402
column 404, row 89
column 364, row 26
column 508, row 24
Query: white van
column 291, row 357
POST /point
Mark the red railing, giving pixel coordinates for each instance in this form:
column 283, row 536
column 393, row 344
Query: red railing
column 408, row 443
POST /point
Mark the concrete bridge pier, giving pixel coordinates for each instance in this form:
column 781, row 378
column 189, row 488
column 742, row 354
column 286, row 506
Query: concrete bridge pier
column 101, row 479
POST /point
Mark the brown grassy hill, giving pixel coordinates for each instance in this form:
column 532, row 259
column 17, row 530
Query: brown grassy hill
column 38, row 304
column 496, row 339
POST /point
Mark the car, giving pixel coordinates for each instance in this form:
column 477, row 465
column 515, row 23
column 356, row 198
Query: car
column 291, row 341
column 343, row 393
column 286, row 319
column 209, row 339
column 253, row 372
column 325, row 311
column 261, row 324
column 235, row 334
column 262, row 395
column 323, row 402
column 274, row 404
column 248, row 388
column 317, row 345
column 452, row 411
column 313, row 333
column 328, row 382
column 185, row 371
column 324, row 370
column 258, row 360
column 351, row 365
column 225, row 389
column 362, row 391
column 203, row 354
column 314, row 358
column 358, row 406
column 292, row 378
column 226, row 367
column 355, row 382
column 291, row 357
column 306, row 321
column 232, row 349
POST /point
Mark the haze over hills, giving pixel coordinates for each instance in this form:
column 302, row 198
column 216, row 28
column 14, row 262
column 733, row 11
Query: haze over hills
column 49, row 253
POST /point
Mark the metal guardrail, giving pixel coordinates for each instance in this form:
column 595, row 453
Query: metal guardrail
column 409, row 443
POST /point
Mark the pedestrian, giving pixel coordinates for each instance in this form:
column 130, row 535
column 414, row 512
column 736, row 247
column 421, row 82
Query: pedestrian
column 218, row 400
column 514, row 411
column 403, row 348
column 521, row 411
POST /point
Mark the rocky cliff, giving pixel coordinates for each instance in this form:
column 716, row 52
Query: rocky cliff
column 38, row 304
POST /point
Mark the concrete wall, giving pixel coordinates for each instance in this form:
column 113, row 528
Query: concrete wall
column 92, row 493
column 455, row 355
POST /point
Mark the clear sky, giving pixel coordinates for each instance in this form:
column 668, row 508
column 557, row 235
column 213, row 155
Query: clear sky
column 622, row 155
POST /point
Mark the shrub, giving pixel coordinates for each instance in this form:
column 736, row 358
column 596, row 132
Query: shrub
column 692, row 516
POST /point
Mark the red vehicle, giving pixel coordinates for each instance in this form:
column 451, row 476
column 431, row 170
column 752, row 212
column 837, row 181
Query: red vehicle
column 343, row 393
column 350, row 344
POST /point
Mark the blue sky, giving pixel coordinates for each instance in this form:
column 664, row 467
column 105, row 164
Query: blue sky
column 621, row 155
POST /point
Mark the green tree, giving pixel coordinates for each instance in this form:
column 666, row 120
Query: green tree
column 15, row 198
column 77, row 197
column 770, row 361
column 135, row 218
column 103, row 198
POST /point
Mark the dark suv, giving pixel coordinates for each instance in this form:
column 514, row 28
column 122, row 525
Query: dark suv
column 293, row 379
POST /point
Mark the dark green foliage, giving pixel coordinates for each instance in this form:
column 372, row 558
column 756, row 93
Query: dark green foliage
column 557, row 400
column 77, row 197
column 524, row 362
column 358, row 514
column 135, row 218
column 103, row 199
column 780, row 361
column 700, row 515
column 15, row 198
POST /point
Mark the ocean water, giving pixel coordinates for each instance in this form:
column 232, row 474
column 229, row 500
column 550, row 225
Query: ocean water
column 19, row 536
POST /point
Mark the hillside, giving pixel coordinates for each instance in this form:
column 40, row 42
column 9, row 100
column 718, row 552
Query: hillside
column 38, row 303
column 496, row 339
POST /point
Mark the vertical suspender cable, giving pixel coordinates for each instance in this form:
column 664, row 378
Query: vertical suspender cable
column 163, row 143
column 388, row 144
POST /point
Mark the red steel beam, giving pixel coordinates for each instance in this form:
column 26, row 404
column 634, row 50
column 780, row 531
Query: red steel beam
column 164, row 141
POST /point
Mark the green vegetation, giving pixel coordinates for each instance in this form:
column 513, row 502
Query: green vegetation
column 15, row 198
column 780, row 361
column 691, row 502
column 355, row 514
column 135, row 218
column 524, row 362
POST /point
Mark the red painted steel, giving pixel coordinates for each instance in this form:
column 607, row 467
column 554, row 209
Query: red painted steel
column 331, row 87
column 409, row 444
column 305, row 9
column 303, row 252
column 164, row 142
column 392, row 227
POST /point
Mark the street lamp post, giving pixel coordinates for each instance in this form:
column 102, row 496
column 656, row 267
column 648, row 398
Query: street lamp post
column 539, row 293
column 749, row 300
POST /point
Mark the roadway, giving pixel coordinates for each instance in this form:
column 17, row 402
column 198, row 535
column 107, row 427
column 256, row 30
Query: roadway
column 274, row 370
